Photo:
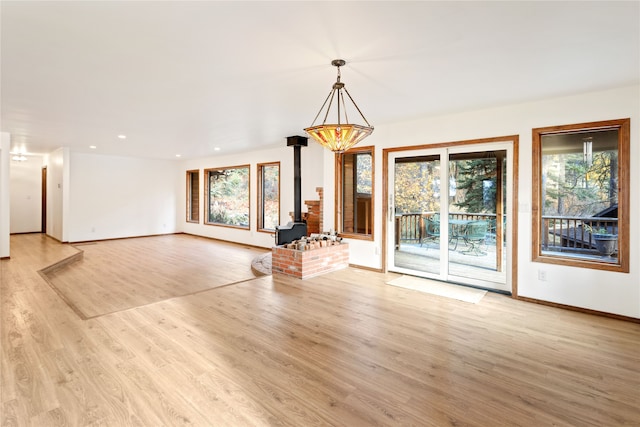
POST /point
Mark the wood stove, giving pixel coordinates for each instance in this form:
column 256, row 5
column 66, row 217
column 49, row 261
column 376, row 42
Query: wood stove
column 298, row 228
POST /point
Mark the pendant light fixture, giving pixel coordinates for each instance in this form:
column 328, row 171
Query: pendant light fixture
column 340, row 135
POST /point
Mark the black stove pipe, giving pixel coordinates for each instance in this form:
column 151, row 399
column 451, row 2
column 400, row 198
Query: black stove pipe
column 297, row 142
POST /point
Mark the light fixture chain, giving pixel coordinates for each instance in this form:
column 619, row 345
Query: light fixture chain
column 321, row 108
column 357, row 108
column 344, row 107
column 333, row 92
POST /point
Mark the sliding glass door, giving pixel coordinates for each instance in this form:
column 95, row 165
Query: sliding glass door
column 448, row 214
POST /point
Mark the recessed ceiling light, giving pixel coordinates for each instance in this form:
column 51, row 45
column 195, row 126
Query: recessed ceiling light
column 216, row 149
column 93, row 147
column 178, row 155
column 122, row 136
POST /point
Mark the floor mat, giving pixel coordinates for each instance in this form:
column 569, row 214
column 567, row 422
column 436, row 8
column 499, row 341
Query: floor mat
column 434, row 287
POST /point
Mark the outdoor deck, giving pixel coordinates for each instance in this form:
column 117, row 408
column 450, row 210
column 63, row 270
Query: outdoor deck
column 426, row 258
column 418, row 249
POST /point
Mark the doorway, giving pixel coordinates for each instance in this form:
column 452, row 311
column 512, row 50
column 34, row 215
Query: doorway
column 451, row 213
column 43, row 219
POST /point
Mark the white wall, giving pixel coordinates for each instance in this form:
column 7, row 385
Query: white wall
column 57, row 163
column 115, row 197
column 26, row 195
column 596, row 290
column 5, row 201
column 311, row 160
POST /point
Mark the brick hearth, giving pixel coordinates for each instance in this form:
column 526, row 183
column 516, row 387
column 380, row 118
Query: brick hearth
column 309, row 263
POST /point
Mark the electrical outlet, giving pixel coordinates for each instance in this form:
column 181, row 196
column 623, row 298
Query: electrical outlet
column 542, row 275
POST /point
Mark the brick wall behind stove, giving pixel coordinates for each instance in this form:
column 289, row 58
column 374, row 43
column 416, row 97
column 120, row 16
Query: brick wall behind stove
column 313, row 216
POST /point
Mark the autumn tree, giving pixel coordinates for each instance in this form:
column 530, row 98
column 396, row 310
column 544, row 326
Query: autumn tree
column 417, row 187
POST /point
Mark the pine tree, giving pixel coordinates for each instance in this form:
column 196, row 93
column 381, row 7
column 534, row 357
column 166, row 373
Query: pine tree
column 476, row 179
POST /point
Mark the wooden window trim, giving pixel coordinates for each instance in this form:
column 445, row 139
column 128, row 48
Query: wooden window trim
column 623, row 128
column 189, row 198
column 207, row 195
column 339, row 193
column 260, row 195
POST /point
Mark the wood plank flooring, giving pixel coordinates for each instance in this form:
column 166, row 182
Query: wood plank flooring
column 147, row 270
column 343, row 349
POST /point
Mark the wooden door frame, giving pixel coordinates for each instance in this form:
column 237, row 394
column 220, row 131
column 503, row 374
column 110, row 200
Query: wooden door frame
column 513, row 139
column 43, row 215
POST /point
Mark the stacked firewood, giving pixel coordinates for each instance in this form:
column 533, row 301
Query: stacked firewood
column 315, row 241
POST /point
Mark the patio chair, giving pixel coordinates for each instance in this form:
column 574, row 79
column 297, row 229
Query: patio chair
column 432, row 228
column 475, row 235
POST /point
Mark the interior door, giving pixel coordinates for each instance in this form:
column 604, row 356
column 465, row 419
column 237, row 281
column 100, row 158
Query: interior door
column 448, row 214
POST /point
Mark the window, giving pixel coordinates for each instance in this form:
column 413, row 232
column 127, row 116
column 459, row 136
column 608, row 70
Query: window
column 580, row 202
column 228, row 196
column 354, row 192
column 268, row 196
column 193, row 196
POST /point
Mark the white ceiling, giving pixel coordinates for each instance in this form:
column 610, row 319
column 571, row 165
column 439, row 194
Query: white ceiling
column 186, row 77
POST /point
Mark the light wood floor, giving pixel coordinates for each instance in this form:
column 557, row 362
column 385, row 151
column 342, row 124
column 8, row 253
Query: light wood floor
column 147, row 270
column 342, row 349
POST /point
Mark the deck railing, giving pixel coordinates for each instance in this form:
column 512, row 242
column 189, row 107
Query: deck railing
column 569, row 234
column 560, row 233
column 410, row 227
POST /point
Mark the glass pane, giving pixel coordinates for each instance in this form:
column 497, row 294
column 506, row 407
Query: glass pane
column 477, row 237
column 229, row 197
column 357, row 212
column 270, row 196
column 194, row 196
column 579, row 183
column 417, row 213
column 363, row 170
